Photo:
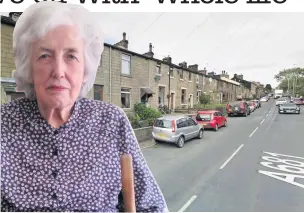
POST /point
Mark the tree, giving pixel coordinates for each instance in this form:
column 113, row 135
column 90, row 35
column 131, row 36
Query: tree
column 268, row 88
column 205, row 99
column 295, row 76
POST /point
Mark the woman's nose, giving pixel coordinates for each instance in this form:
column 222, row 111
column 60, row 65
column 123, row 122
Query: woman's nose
column 59, row 68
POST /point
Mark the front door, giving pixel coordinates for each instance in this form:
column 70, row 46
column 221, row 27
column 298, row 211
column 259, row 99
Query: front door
column 172, row 101
column 191, row 100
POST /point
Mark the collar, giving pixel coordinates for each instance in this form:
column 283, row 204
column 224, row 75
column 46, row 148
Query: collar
column 36, row 120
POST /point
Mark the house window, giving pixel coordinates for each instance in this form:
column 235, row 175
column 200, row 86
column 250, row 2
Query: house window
column 98, row 92
column 198, row 94
column 190, row 75
column 126, row 64
column 125, row 98
column 158, row 71
column 183, row 96
column 197, row 78
column 181, row 75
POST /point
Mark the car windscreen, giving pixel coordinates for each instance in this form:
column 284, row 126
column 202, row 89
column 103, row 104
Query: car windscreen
column 162, row 123
column 203, row 117
column 289, row 105
column 235, row 104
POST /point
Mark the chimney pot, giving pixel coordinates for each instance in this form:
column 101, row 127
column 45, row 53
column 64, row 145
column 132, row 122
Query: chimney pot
column 150, row 47
column 124, row 36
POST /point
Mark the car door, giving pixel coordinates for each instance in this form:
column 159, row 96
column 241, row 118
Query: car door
column 221, row 118
column 193, row 128
column 183, row 128
column 217, row 119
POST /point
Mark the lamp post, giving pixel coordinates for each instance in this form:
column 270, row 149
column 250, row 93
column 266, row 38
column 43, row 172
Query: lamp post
column 169, row 92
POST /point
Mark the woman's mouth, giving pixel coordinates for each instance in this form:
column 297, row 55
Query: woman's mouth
column 57, row 88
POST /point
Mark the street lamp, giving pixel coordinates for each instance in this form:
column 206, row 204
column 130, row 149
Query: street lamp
column 169, row 92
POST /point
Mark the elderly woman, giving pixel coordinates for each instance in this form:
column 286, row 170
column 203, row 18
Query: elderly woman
column 59, row 150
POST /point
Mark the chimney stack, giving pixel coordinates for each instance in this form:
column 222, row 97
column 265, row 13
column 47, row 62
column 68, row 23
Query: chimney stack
column 183, row 65
column 124, row 43
column 168, row 59
column 193, row 67
column 150, row 53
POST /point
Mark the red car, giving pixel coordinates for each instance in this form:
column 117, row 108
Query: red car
column 299, row 101
column 212, row 119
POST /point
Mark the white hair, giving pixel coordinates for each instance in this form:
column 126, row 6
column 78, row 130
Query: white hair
column 40, row 18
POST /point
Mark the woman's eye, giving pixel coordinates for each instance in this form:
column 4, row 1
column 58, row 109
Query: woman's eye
column 71, row 57
column 44, row 56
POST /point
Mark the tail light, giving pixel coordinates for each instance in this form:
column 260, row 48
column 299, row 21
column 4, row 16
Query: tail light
column 173, row 126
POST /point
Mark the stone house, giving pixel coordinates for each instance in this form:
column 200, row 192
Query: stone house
column 125, row 77
column 244, row 91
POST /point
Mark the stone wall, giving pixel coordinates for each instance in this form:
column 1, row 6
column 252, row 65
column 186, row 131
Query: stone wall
column 143, row 134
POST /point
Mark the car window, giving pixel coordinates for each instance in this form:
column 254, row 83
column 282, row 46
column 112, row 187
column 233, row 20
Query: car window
column 191, row 122
column 161, row 123
column 182, row 123
column 203, row 117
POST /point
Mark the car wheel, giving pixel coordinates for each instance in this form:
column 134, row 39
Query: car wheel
column 225, row 124
column 216, row 127
column 180, row 142
column 200, row 134
column 245, row 114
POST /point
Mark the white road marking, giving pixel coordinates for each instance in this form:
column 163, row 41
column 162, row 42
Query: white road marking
column 229, row 159
column 188, row 203
column 289, row 178
column 267, row 115
column 262, row 121
column 277, row 155
column 253, row 132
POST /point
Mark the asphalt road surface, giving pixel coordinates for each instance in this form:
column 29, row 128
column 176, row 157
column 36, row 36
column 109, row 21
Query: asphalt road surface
column 256, row 163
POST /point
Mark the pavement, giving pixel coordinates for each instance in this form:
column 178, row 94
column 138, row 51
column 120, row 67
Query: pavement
column 256, row 163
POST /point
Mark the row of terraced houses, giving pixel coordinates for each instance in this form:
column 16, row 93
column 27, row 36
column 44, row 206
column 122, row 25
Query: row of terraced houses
column 126, row 77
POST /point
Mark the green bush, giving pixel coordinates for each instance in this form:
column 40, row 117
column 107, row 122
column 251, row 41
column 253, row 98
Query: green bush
column 146, row 113
column 143, row 116
column 219, row 107
column 205, row 99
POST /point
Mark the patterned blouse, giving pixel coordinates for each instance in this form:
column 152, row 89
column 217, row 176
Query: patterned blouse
column 72, row 168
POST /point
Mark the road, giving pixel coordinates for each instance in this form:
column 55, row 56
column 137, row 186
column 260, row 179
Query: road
column 242, row 167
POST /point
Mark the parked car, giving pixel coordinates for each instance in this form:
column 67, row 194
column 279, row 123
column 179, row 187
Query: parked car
column 238, row 108
column 176, row 129
column 258, row 103
column 289, row 108
column 212, row 119
column 251, row 106
column 298, row 101
column 264, row 99
column 281, row 101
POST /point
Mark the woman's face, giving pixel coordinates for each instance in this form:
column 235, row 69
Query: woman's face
column 57, row 64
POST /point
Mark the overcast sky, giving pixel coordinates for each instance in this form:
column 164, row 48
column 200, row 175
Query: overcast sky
column 256, row 45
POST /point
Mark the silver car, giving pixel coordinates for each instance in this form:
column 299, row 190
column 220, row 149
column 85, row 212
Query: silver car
column 289, row 108
column 176, row 129
column 281, row 101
